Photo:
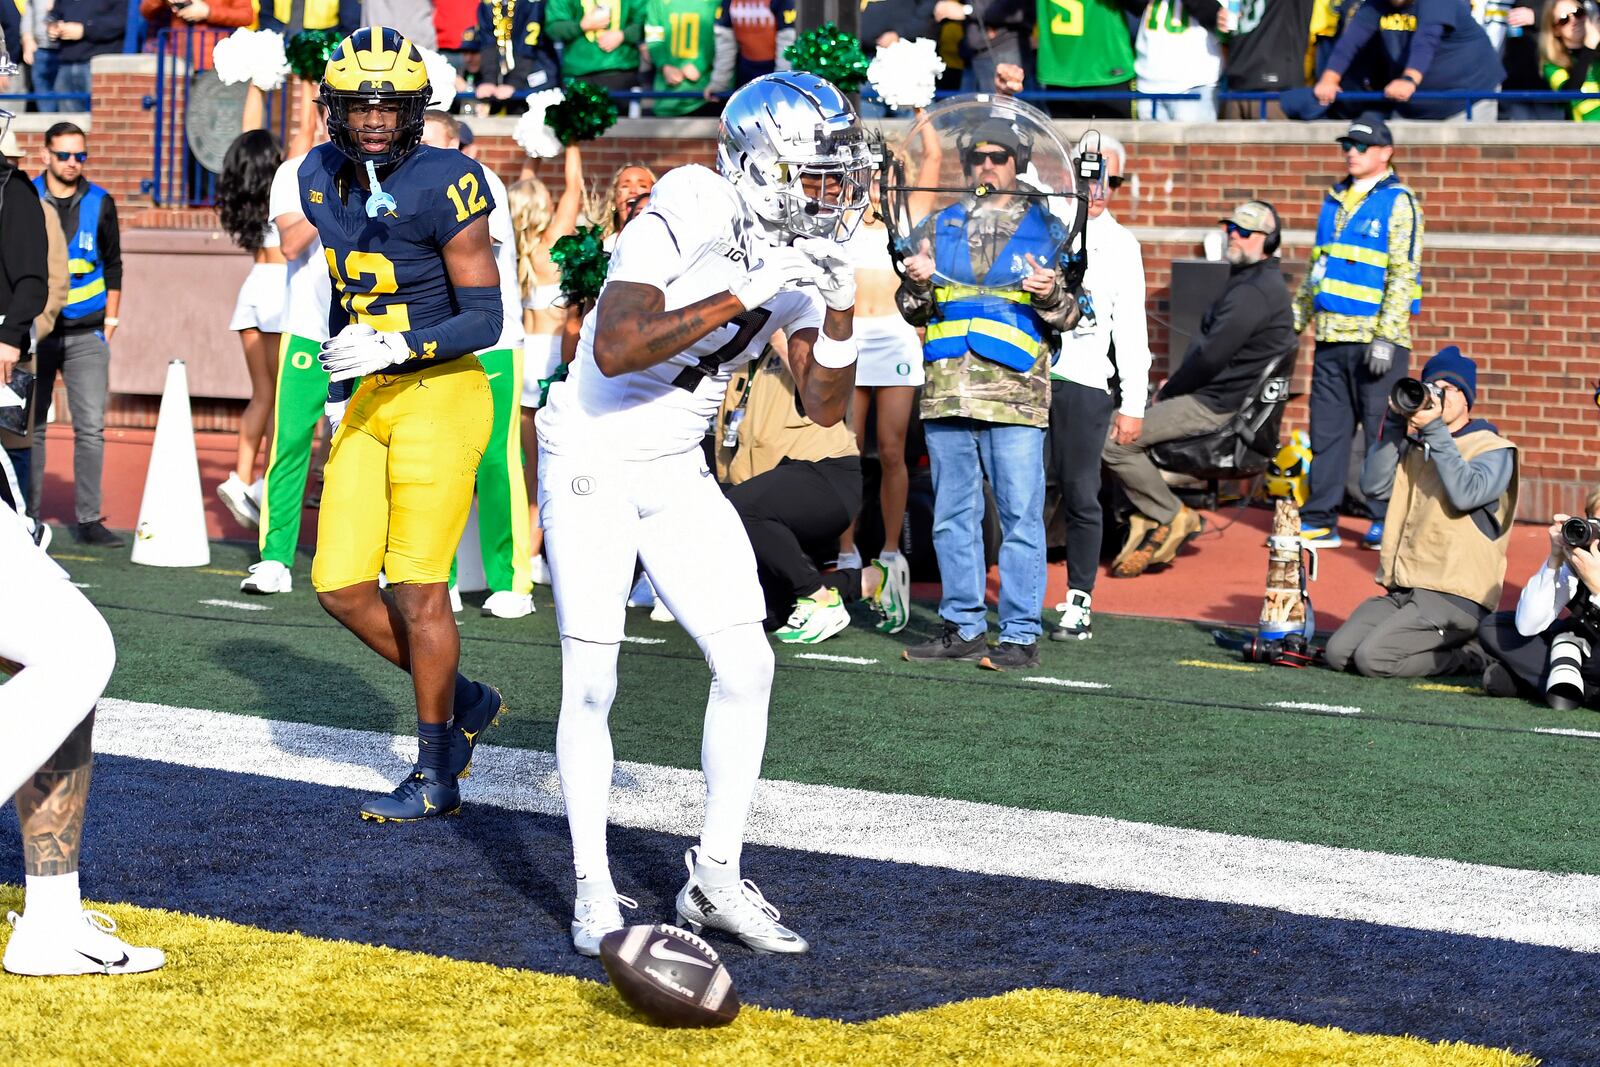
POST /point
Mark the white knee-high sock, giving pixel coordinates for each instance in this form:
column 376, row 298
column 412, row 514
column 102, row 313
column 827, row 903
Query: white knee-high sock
column 734, row 741
column 583, row 756
column 64, row 648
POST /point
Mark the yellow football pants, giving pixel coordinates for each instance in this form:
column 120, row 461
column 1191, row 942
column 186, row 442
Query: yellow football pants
column 398, row 485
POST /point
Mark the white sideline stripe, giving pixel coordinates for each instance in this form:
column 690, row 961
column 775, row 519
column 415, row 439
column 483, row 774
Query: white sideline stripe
column 861, row 660
column 238, row 605
column 1337, row 709
column 1071, row 683
column 1534, row 907
column 644, row 640
column 1564, row 733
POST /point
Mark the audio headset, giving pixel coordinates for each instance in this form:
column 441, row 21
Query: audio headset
column 1275, row 238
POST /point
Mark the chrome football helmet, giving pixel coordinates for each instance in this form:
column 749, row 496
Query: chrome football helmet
column 792, row 146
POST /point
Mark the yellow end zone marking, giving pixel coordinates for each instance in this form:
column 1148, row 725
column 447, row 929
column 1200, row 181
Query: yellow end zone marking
column 1440, row 687
column 75, row 559
column 309, row 1000
column 219, row 570
column 1214, row 665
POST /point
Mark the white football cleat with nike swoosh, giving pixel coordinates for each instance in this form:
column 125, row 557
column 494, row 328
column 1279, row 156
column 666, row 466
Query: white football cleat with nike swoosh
column 65, row 947
column 593, row 919
column 738, row 909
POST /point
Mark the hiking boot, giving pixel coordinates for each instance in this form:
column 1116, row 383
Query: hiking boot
column 1186, row 525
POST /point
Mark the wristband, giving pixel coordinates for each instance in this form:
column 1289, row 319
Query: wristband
column 835, row 355
column 109, row 321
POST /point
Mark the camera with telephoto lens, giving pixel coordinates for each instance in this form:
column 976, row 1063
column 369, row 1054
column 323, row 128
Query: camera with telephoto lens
column 1564, row 688
column 1411, row 395
column 1579, row 532
column 1291, row 650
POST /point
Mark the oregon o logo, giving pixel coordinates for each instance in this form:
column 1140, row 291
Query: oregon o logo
column 301, row 360
column 583, row 485
column 903, row 369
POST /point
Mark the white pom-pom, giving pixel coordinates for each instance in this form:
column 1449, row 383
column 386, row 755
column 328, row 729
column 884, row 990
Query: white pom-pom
column 271, row 67
column 441, row 77
column 537, row 139
column 906, row 73
column 231, row 57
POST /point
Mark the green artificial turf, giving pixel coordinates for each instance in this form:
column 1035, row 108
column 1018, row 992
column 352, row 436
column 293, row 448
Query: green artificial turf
column 1417, row 771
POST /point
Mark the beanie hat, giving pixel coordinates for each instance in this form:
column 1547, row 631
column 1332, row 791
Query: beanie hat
column 1451, row 366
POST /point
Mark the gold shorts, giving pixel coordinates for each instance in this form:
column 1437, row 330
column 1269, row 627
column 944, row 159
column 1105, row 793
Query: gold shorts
column 399, row 483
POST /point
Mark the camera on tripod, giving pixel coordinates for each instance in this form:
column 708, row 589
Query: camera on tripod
column 1411, row 395
column 1580, row 532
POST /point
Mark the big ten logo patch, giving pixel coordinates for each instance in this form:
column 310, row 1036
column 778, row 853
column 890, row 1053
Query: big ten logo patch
column 315, row 196
column 1402, row 23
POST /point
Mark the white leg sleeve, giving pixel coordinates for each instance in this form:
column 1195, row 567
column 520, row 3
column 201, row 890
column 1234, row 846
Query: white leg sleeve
column 583, row 755
column 735, row 735
column 63, row 646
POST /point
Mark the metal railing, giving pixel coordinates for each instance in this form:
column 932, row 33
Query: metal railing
column 177, row 178
column 37, row 98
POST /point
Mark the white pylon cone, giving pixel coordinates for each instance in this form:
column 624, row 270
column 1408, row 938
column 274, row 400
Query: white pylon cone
column 172, row 515
column 469, row 557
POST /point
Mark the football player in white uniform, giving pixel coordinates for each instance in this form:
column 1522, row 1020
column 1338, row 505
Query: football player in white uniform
column 715, row 264
column 60, row 655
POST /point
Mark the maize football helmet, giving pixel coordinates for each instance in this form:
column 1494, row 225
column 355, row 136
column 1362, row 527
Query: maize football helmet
column 376, row 67
column 792, row 146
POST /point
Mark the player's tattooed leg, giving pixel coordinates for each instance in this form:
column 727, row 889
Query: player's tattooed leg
column 51, row 805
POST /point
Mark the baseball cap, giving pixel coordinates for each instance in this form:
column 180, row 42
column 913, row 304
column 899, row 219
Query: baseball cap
column 1369, row 129
column 464, row 133
column 1253, row 215
column 997, row 131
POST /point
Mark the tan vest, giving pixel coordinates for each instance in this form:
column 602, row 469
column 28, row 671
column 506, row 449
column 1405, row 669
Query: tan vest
column 1428, row 544
column 773, row 428
column 60, row 278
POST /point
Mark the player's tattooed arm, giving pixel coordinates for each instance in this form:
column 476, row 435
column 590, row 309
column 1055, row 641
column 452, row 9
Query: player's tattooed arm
column 51, row 804
column 825, row 392
column 634, row 331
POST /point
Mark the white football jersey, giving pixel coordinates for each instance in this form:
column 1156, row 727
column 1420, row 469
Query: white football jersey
column 694, row 240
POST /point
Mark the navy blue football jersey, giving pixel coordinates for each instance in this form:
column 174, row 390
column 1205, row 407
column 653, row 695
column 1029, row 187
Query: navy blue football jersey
column 388, row 272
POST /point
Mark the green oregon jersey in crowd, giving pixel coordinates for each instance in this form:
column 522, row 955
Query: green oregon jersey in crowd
column 681, row 34
column 1083, row 42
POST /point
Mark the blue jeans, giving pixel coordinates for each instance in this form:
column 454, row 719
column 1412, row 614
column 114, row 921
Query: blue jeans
column 961, row 452
column 64, row 78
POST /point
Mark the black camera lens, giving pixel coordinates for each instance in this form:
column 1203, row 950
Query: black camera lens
column 1579, row 532
column 1408, row 396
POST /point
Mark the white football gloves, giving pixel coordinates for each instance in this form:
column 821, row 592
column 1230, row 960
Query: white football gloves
column 838, row 282
column 779, row 268
column 334, row 411
column 361, row 350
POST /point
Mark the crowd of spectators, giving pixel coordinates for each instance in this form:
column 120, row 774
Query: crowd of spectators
column 1160, row 60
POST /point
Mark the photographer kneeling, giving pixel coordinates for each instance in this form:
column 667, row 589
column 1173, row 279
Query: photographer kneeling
column 1443, row 561
column 1532, row 652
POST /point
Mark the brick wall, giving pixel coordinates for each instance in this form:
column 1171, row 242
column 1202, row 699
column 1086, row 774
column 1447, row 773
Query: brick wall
column 1513, row 237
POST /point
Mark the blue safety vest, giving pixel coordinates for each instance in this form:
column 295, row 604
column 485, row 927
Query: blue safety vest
column 87, row 292
column 1355, row 259
column 999, row 326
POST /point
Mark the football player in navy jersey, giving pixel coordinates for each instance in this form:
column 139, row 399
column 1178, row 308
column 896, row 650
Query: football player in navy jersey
column 405, row 229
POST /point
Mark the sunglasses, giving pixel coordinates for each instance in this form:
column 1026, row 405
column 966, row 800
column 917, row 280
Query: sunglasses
column 1115, row 181
column 997, row 156
column 1235, row 230
column 1573, row 16
column 1346, row 144
column 81, row 157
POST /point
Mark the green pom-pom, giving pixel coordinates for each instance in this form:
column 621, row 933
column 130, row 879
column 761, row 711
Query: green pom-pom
column 829, row 52
column 583, row 261
column 585, row 113
column 308, row 52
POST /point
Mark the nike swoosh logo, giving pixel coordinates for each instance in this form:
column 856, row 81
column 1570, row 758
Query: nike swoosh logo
column 104, row 963
column 660, row 951
column 492, row 377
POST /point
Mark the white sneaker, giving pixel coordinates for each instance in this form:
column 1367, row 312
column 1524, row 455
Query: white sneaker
column 258, row 492
column 1077, row 621
column 659, row 612
column 539, row 569
column 894, row 594
column 268, row 576
column 236, row 498
column 737, row 909
column 455, row 601
column 508, row 605
column 86, row 946
column 848, row 561
column 593, row 919
column 814, row 619
column 643, row 594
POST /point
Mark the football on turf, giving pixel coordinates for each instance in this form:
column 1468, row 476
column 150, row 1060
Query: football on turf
column 669, row 976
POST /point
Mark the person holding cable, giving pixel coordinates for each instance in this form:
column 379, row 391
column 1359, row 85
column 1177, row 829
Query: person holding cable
column 1451, row 482
column 1362, row 287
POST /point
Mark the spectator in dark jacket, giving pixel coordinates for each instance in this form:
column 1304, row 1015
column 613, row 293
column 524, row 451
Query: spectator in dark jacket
column 218, row 15
column 24, row 288
column 1250, row 325
column 1400, row 44
column 516, row 55
column 883, row 22
column 1267, row 54
column 85, row 29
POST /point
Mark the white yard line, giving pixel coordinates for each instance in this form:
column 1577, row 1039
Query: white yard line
column 1564, row 733
column 1335, row 709
column 644, row 640
column 237, row 605
column 1534, row 907
column 1068, row 682
column 859, row 660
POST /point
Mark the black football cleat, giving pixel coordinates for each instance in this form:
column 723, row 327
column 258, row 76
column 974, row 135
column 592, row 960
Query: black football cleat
column 424, row 794
column 468, row 727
